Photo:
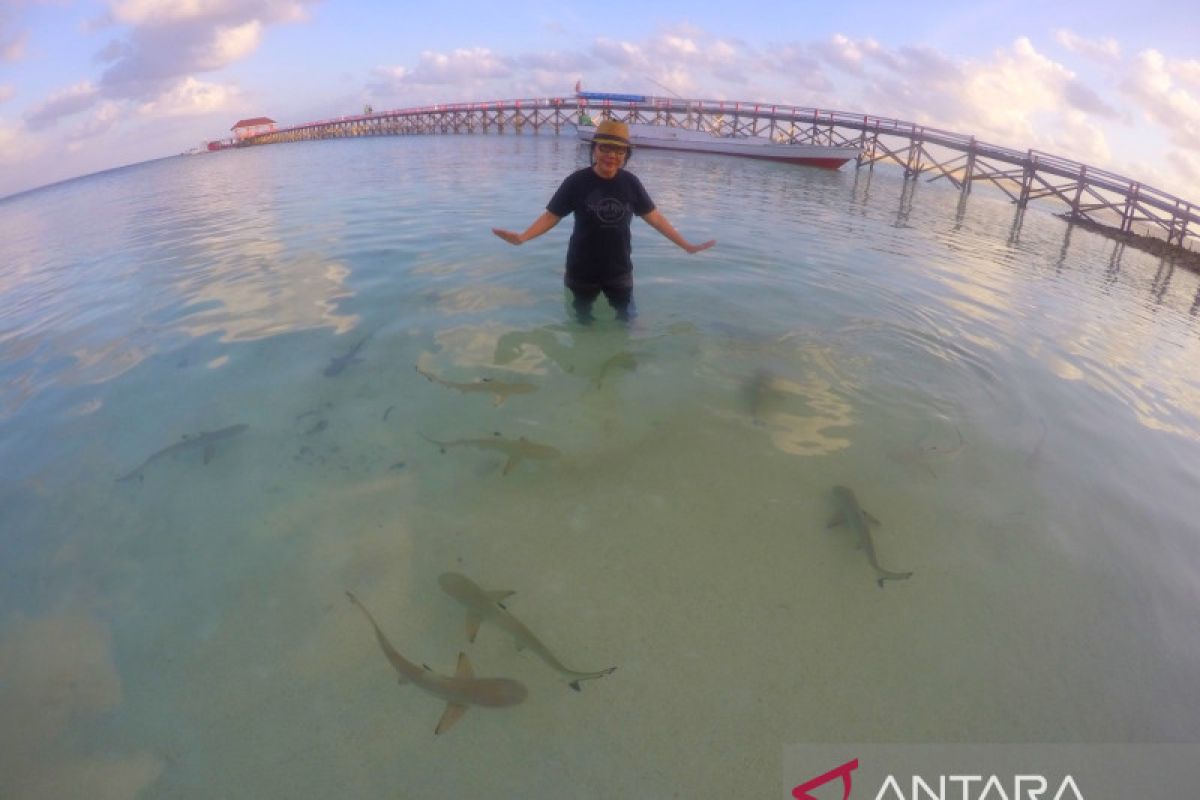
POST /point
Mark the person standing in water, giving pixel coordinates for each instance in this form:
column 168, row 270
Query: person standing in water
column 604, row 198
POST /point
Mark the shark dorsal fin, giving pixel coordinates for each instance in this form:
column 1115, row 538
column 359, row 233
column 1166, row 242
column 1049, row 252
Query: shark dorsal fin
column 451, row 715
column 464, row 669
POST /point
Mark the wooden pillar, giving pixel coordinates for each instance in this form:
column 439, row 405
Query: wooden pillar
column 913, row 167
column 862, row 144
column 1179, row 222
column 1130, row 209
column 968, row 178
column 1029, row 167
column 1075, row 213
column 874, row 142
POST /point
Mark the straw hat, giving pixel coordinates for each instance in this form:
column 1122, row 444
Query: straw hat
column 611, row 132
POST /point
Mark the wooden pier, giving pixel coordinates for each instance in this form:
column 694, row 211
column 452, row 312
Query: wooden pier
column 1089, row 194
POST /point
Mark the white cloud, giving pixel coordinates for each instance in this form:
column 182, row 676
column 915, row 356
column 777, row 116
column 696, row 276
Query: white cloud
column 847, row 54
column 106, row 115
column 1187, row 173
column 618, row 54
column 1077, row 137
column 679, row 45
column 191, row 97
column 460, row 65
column 1166, row 95
column 459, row 72
column 233, row 44
column 142, row 12
column 1187, row 73
column 806, row 74
column 1016, row 96
column 392, row 74
column 64, row 103
column 172, row 39
column 683, row 60
column 1103, row 50
column 164, row 12
column 1003, row 95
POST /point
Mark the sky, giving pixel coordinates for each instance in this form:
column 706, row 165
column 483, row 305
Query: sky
column 87, row 85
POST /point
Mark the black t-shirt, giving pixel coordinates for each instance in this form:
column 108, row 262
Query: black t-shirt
column 600, row 246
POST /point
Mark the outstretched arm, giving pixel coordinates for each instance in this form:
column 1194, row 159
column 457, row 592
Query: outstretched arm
column 540, row 225
column 657, row 221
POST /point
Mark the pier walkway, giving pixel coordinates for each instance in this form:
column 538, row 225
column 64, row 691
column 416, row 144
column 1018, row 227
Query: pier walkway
column 1090, row 194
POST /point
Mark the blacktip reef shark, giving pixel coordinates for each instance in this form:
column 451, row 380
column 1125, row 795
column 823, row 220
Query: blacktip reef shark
column 851, row 513
column 515, row 449
column 205, row 440
column 499, row 390
column 338, row 364
column 460, row 691
column 483, row 606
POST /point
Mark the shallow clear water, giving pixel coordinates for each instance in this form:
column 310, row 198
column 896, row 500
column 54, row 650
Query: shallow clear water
column 1015, row 401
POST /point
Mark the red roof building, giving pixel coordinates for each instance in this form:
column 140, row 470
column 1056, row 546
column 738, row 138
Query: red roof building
column 246, row 128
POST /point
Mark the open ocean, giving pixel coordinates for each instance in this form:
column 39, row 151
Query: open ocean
column 223, row 384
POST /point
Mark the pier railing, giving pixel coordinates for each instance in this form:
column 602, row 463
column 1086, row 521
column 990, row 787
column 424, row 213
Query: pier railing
column 1089, row 193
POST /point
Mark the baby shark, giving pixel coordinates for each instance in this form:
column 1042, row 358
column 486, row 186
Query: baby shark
column 499, row 390
column 484, row 606
column 460, row 691
column 859, row 521
column 515, row 449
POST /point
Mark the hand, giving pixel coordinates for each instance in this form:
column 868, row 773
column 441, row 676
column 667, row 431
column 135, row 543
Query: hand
column 696, row 248
column 508, row 236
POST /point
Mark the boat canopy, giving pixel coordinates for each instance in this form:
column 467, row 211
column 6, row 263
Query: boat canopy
column 620, row 98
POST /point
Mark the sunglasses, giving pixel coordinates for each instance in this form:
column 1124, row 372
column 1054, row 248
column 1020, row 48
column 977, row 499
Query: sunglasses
column 612, row 149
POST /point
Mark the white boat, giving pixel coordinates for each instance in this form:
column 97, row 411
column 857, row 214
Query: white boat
column 662, row 137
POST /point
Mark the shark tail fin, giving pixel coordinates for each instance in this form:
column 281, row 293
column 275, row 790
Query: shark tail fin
column 892, row 576
column 601, row 674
